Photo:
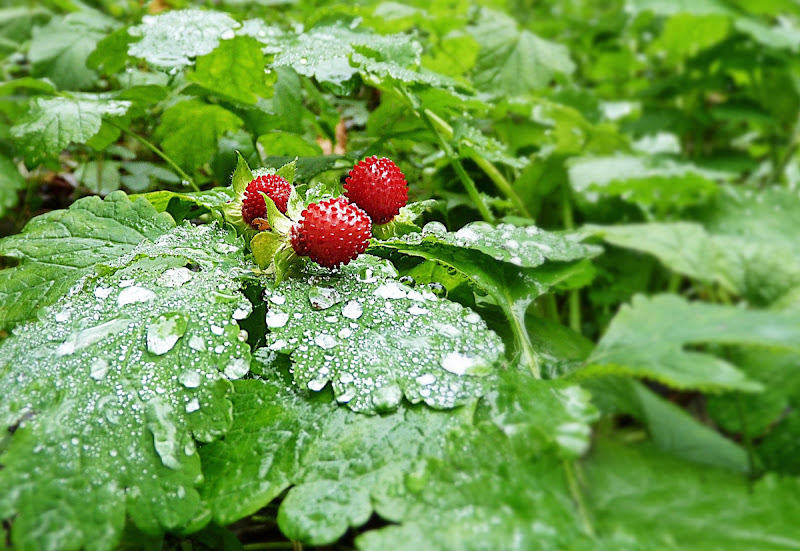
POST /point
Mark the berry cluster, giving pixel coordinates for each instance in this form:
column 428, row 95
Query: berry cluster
column 335, row 231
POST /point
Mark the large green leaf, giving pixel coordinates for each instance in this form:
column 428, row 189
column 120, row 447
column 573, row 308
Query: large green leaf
column 59, row 50
column 514, row 61
column 189, row 131
column 107, row 391
column 639, row 494
column 377, row 340
column 51, row 124
column 655, row 184
column 648, row 339
column 173, row 38
column 760, row 271
column 512, row 265
column 56, row 249
column 235, row 69
column 340, row 463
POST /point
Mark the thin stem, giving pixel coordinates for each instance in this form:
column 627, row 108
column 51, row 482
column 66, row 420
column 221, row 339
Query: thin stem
column 577, row 495
column 157, row 151
column 487, row 166
column 529, row 359
column 748, row 441
column 574, row 297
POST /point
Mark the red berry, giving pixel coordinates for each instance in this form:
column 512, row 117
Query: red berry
column 332, row 232
column 377, row 186
column 253, row 205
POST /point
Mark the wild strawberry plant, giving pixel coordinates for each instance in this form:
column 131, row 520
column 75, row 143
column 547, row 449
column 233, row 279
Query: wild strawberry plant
column 445, row 275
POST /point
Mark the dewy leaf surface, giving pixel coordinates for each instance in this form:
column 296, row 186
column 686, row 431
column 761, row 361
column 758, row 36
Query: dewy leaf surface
column 638, row 494
column 173, row 38
column 377, row 340
column 647, row 339
column 58, row 248
column 51, row 124
column 340, row 463
column 513, row 265
column 110, row 388
column 235, row 69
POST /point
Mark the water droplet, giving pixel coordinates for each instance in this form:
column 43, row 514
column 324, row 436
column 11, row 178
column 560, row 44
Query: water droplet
column 131, row 295
column 325, row 341
column 417, row 310
column 407, row 280
column 225, row 248
column 434, row 228
column 303, row 61
column 98, row 369
column 458, row 363
column 227, row 35
column 426, row 379
column 192, row 405
column 276, row 318
column 102, row 292
column 353, row 310
column 61, row 317
column 174, row 277
column 467, row 234
column 438, row 289
column 346, row 378
column 217, row 330
column 317, row 384
column 87, row 337
column 322, row 298
column 345, row 333
column 190, row 379
column 164, row 331
column 236, row 368
column 472, row 317
column 197, row 343
column 348, row 394
column 387, row 397
column 390, row 290
column 244, row 310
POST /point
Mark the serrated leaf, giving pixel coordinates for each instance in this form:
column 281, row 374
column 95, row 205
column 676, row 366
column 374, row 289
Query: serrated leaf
column 241, row 176
column 235, row 69
column 760, row 271
column 324, row 53
column 51, row 124
column 110, row 388
column 481, row 496
column 629, row 487
column 173, row 38
column 644, row 340
column 377, row 340
column 189, row 131
column 339, row 463
column 59, row 50
column 652, row 182
column 58, row 248
column 287, row 171
column 512, row 265
column 11, row 182
column 185, row 205
column 277, row 220
column 514, row 61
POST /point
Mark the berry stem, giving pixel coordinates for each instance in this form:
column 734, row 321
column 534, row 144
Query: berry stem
column 185, row 177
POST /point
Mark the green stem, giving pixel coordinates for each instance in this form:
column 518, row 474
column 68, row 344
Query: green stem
column 529, row 359
column 469, row 183
column 186, row 178
column 487, row 166
column 574, row 298
column 748, row 441
column 577, row 495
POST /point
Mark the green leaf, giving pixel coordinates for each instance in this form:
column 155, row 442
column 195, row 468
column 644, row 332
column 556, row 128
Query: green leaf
column 481, row 496
column 172, row 38
column 685, row 35
column 630, row 487
column 181, row 205
column 377, row 340
column 56, row 249
column 235, row 69
column 651, row 182
column 514, row 61
column 644, row 340
column 324, row 52
column 110, row 387
column 99, row 178
column 11, row 182
column 142, row 176
column 339, row 464
column 189, row 131
column 279, row 143
column 59, row 50
column 760, row 271
column 512, row 265
column 51, row 124
column 542, row 416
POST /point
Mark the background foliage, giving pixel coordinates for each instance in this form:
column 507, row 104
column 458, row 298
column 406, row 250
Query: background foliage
column 583, row 334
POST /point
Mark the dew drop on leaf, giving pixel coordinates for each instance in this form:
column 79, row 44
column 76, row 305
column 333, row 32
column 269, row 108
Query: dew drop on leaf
column 131, row 295
column 236, row 368
column 192, row 405
column 434, row 228
column 387, row 397
column 353, row 310
column 164, row 331
column 98, row 369
column 174, row 277
column 322, row 298
column 323, row 340
column 190, row 379
column 276, row 318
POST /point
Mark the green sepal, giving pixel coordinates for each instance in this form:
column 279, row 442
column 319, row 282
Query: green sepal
column 277, row 220
column 295, row 206
column 264, row 246
column 241, row 176
column 287, row 171
column 282, row 261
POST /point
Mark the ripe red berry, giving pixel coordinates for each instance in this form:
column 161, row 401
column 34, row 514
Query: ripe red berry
column 253, row 205
column 331, row 232
column 377, row 186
